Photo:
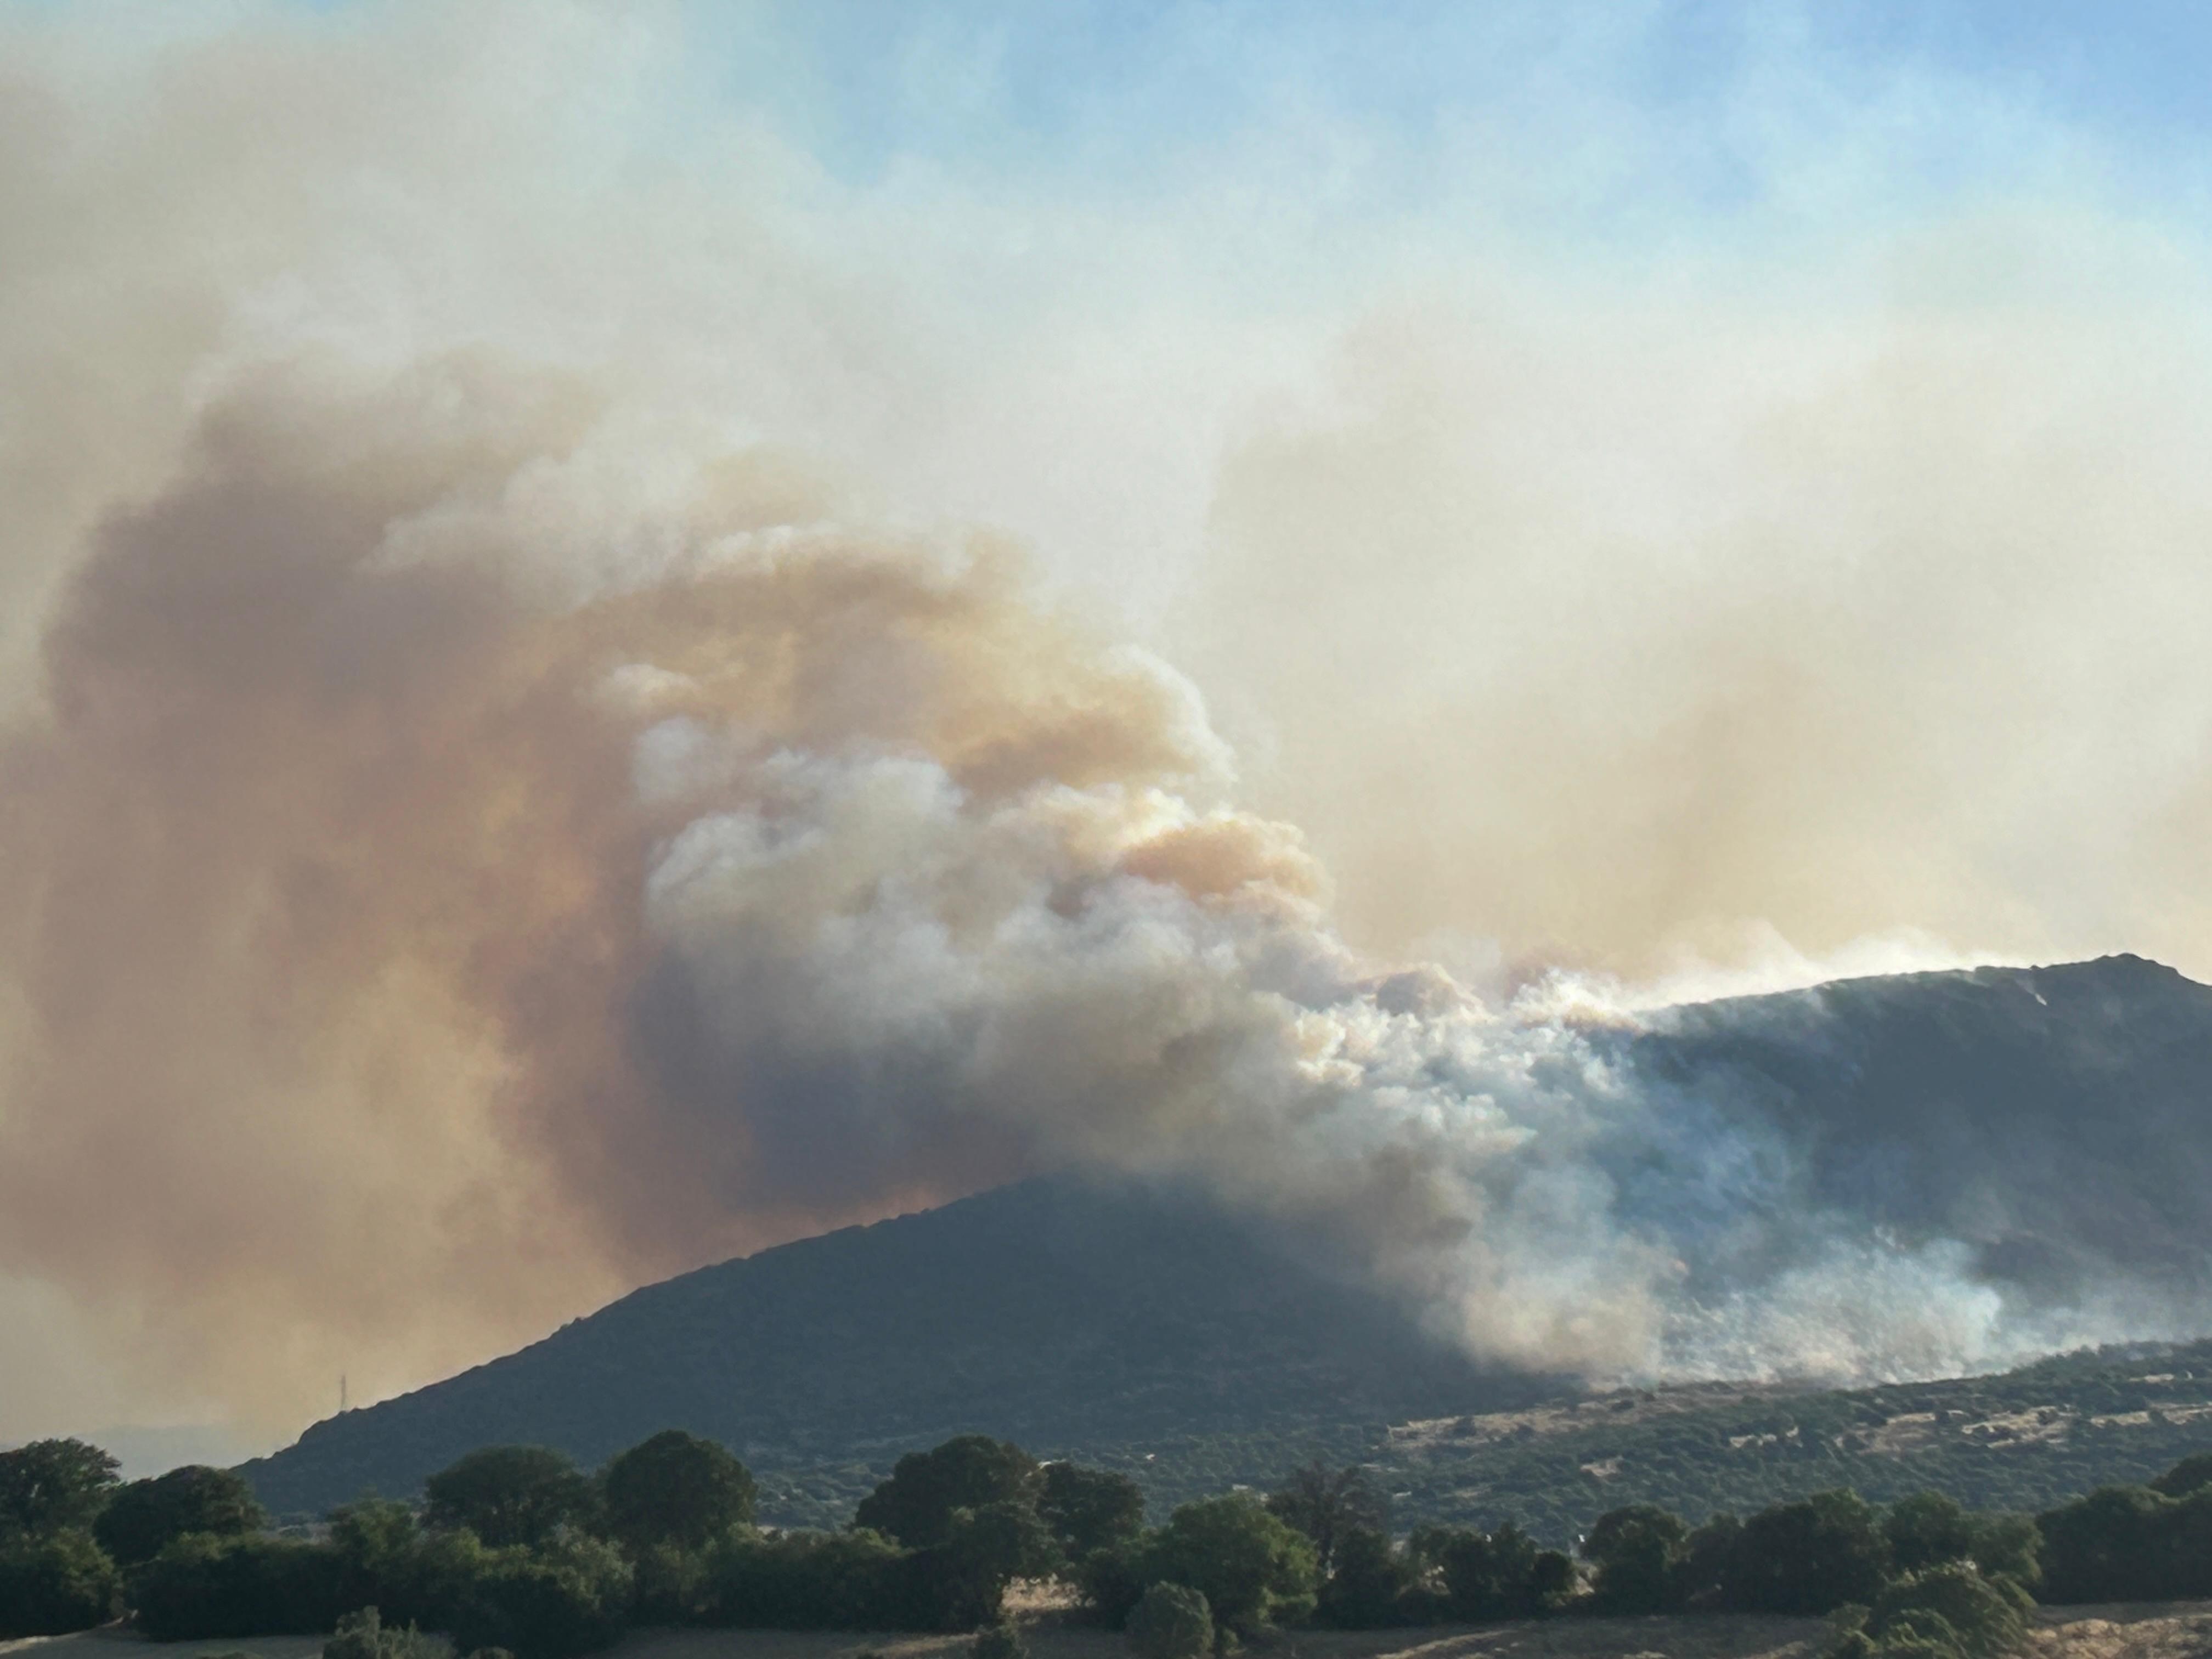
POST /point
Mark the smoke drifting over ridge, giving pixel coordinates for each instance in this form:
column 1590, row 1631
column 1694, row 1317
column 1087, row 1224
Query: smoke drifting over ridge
column 488, row 919
column 506, row 927
column 491, row 817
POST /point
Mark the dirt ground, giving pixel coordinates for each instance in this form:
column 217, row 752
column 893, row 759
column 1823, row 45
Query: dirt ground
column 2168, row 1630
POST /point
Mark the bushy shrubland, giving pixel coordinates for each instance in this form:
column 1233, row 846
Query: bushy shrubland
column 56, row 1583
column 569, row 1597
column 664, row 1536
column 142, row 1519
column 1948, row 1611
column 2128, row 1544
column 1170, row 1621
column 803, row 1581
column 204, row 1584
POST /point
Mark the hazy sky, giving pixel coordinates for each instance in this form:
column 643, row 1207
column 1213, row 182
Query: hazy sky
column 1707, row 495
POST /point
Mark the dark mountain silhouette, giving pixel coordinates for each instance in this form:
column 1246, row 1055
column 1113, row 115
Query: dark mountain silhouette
column 1056, row 1313
column 2058, row 1120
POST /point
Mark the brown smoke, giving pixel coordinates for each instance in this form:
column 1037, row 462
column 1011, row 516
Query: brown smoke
column 485, row 819
column 323, row 882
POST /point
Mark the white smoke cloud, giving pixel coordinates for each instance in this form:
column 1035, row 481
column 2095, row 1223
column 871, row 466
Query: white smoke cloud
column 514, row 787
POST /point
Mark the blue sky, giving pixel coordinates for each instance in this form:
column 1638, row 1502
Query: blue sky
column 1117, row 89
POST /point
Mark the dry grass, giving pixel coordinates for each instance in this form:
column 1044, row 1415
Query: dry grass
column 2152, row 1631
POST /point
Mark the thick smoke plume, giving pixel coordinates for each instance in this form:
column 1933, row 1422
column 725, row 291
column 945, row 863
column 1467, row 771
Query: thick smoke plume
column 508, row 788
column 439, row 865
column 396, row 895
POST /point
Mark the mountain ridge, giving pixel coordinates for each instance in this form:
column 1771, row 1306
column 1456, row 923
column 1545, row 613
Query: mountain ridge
column 1140, row 1323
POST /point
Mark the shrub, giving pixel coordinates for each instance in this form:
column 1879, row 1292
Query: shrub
column 553, row 1603
column 1638, row 1553
column 2108, row 1547
column 1170, row 1621
column 1088, row 1509
column 1950, row 1611
column 364, row 1635
column 379, row 1548
column 510, row 1494
column 56, row 1583
column 1111, row 1581
column 1253, row 1570
column 52, row 1485
column 1985, row 1620
column 203, row 1585
column 675, row 1489
column 803, row 1581
column 1368, row 1588
column 1704, row 1567
column 1001, row 1640
column 1326, row 1503
column 671, row 1585
column 1486, row 1575
column 1809, row 1557
column 144, row 1516
column 1926, row 1528
column 1551, row 1581
column 2192, row 1474
column 916, row 1506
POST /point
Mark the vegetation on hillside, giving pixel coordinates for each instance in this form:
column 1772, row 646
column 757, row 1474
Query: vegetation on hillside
column 518, row 1552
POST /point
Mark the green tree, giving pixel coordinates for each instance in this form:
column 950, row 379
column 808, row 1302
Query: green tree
column 1808, row 1557
column 377, row 1545
column 1324, row 1503
column 1170, row 1621
column 961, row 1581
column 56, row 1582
column 1484, row 1576
column 1638, row 1553
column 804, row 1581
column 1088, row 1509
column 1551, row 1581
column 569, row 1597
column 1253, row 1568
column 916, row 1505
column 2111, row 1545
column 509, row 1495
column 2192, row 1474
column 141, row 1518
column 49, row 1485
column 675, row 1489
column 2006, row 1546
column 1953, row 1605
column 1926, row 1528
column 1706, row 1554
column 1367, row 1589
column 203, row 1585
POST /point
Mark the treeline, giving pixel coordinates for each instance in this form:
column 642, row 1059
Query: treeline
column 515, row 1548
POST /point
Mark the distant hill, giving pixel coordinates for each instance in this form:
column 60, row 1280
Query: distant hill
column 2025, row 1439
column 2058, row 1122
column 1065, row 1316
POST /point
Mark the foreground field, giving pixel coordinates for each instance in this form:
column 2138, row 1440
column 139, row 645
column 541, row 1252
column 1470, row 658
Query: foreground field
column 2168, row 1630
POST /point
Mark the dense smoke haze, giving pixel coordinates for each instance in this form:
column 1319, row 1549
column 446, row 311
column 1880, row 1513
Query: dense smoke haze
column 590, row 689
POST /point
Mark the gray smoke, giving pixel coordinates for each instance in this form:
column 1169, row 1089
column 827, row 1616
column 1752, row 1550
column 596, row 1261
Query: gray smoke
column 492, row 811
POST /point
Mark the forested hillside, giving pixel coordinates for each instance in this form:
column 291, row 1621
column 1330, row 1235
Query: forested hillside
column 2052, row 1126
column 1066, row 1316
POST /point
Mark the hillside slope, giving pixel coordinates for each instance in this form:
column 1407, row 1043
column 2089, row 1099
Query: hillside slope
column 2056, row 1122
column 1061, row 1314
